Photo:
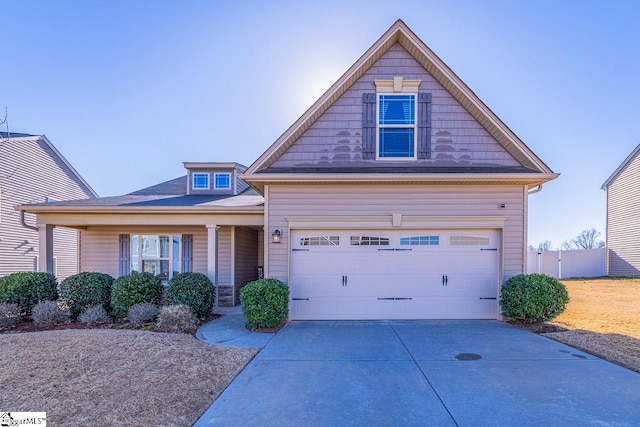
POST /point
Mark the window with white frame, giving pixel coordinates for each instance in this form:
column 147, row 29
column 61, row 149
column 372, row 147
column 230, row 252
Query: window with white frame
column 397, row 133
column 200, row 181
column 222, row 181
column 156, row 254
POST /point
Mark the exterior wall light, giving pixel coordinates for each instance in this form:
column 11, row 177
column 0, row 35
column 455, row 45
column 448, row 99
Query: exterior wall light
column 275, row 236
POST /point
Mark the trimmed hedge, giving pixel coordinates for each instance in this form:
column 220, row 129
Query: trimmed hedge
column 194, row 290
column 134, row 288
column 265, row 303
column 28, row 289
column 531, row 298
column 87, row 289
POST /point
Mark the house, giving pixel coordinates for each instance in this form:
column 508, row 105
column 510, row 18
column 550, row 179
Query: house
column 623, row 217
column 397, row 195
column 33, row 171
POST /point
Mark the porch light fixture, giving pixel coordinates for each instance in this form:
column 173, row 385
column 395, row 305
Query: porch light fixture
column 275, row 236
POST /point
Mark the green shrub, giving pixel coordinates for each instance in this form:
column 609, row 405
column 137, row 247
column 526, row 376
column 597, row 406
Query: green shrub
column 50, row 313
column 533, row 298
column 9, row 315
column 194, row 290
column 94, row 314
column 176, row 318
column 139, row 314
column 28, row 289
column 265, row 303
column 86, row 289
column 134, row 288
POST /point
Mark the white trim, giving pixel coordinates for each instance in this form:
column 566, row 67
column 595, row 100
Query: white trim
column 193, row 180
column 386, row 222
column 387, row 126
column 215, row 179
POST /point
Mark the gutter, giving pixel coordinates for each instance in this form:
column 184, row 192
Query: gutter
column 535, row 190
column 24, row 224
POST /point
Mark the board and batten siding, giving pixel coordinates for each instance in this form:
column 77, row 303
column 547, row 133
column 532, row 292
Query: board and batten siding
column 409, row 200
column 335, row 139
column 623, row 222
column 30, row 171
column 99, row 247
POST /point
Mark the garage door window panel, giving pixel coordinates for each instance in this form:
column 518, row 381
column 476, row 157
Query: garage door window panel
column 420, row 241
column 469, row 241
column 320, row 241
column 369, row 241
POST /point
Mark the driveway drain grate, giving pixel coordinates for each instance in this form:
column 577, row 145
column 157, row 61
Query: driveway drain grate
column 468, row 356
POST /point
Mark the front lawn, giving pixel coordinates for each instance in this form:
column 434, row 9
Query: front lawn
column 102, row 377
column 603, row 318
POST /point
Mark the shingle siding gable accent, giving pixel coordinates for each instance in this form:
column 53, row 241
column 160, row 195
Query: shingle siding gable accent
column 336, row 138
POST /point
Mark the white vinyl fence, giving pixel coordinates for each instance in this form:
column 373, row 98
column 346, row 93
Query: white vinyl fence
column 567, row 264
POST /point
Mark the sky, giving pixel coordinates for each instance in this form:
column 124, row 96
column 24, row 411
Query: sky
column 128, row 90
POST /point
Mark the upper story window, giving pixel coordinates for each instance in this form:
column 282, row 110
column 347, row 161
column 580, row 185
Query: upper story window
column 200, row 181
column 397, row 135
column 222, row 181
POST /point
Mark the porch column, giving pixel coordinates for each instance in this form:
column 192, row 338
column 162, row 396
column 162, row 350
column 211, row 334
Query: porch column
column 212, row 253
column 45, row 248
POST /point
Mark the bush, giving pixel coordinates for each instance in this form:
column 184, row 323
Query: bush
column 265, row 303
column 28, row 289
column 9, row 315
column 49, row 312
column 134, row 288
column 194, row 290
column 176, row 318
column 139, row 314
column 94, row 314
column 533, row 298
column 84, row 290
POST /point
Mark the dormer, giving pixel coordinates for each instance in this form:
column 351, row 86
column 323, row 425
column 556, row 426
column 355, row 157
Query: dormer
column 214, row 178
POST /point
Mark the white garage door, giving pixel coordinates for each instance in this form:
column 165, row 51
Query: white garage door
column 418, row 274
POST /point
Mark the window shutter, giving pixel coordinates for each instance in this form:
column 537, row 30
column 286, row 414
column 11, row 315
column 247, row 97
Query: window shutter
column 124, row 264
column 187, row 253
column 368, row 125
column 424, row 125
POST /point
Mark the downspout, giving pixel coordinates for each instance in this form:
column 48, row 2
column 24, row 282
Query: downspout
column 24, row 224
column 536, row 190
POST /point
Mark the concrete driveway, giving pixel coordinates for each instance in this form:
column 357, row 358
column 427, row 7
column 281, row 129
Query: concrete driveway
column 424, row 373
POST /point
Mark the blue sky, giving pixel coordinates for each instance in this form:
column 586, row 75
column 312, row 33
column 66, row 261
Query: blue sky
column 128, row 90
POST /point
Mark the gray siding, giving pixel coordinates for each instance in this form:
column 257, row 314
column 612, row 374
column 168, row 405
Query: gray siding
column 99, row 247
column 225, row 270
column 408, row 200
column 623, row 222
column 335, row 139
column 30, row 171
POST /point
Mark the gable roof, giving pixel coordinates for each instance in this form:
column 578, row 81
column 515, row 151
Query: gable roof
column 621, row 168
column 54, row 150
column 401, row 34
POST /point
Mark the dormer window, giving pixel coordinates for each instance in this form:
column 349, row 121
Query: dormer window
column 222, row 181
column 200, row 181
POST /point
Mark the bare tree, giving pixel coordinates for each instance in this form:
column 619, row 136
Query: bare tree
column 567, row 245
column 588, row 239
column 5, row 122
column 542, row 247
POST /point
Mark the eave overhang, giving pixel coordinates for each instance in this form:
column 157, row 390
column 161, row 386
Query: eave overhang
column 525, row 179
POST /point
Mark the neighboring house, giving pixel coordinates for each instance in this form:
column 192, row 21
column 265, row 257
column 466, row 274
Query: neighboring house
column 623, row 217
column 33, row 171
column 398, row 194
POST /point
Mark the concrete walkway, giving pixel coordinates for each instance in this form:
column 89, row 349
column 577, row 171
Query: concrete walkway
column 229, row 330
column 424, row 373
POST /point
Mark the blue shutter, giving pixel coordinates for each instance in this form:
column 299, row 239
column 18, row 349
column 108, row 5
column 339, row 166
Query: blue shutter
column 124, row 258
column 368, row 125
column 187, row 253
column 424, row 125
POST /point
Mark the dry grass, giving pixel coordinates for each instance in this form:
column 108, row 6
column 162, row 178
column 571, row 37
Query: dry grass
column 104, row 377
column 603, row 319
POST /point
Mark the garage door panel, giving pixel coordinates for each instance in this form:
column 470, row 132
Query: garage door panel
column 388, row 274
